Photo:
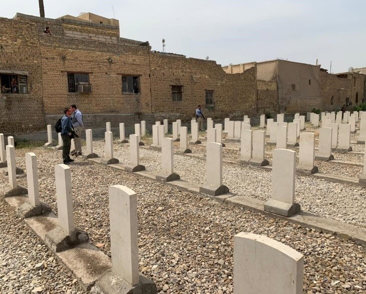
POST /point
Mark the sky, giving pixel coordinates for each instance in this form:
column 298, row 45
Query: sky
column 232, row 31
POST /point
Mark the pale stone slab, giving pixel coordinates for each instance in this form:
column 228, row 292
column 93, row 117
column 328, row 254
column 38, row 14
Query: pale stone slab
column 108, row 127
column 315, row 120
column 108, row 146
column 297, row 122
column 155, row 135
column 344, row 137
column 123, row 224
column 362, row 136
column 10, row 158
column 334, row 127
column 218, row 128
column 339, row 117
column 245, row 126
column 307, row 151
column 64, row 198
column 269, row 126
column 325, row 143
column 11, row 141
column 2, row 149
column 135, row 150
column 179, row 124
column 122, row 132
column 143, row 128
column 246, row 145
column 183, row 143
column 157, row 123
column 237, row 129
column 262, row 121
column 280, row 117
column 194, row 132
column 60, row 142
column 166, row 126
column 258, row 150
column 246, row 120
column 273, row 133
column 362, row 176
column 264, row 265
column 226, row 120
column 302, row 122
column 161, row 134
column 281, row 138
column 210, row 123
column 175, row 131
column 230, row 129
column 352, row 122
column 292, row 134
column 89, row 141
column 332, row 117
column 356, row 115
column 213, row 184
column 167, row 156
column 211, row 135
column 297, row 116
column 49, row 135
column 32, row 178
column 138, row 131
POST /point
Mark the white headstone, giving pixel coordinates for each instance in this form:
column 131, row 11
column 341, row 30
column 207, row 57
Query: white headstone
column 209, row 123
column 352, row 122
column 258, row 150
column 32, row 178
column 108, row 127
column 143, row 128
column 362, row 136
column 292, row 133
column 122, row 132
column 2, row 148
column 175, row 130
column 179, row 124
column 49, row 134
column 218, row 128
column 183, row 143
column 339, row 117
column 194, row 131
column 262, row 121
column 89, row 141
column 155, row 135
column 269, row 126
column 10, row 158
column 167, row 155
column 307, row 151
column 302, row 122
column 64, row 198
column 344, row 137
column 166, row 125
column 230, row 129
column 226, row 120
column 123, row 223
column 264, row 265
column 11, row 141
column 281, row 138
column 138, row 131
column 214, row 165
column 161, row 134
column 334, row 127
column 280, row 117
column 273, row 133
column 237, row 129
column 108, row 146
column 211, row 135
column 246, row 145
column 325, row 143
column 134, row 150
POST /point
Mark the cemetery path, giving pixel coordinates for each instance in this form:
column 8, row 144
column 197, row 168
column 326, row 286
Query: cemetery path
column 186, row 241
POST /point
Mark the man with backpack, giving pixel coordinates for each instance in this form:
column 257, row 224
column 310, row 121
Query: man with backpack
column 199, row 117
column 67, row 133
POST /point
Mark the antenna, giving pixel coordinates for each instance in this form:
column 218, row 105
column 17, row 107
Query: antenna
column 163, row 41
column 330, row 67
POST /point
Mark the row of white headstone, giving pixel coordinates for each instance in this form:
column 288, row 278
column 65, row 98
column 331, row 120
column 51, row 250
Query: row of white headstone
column 261, row 264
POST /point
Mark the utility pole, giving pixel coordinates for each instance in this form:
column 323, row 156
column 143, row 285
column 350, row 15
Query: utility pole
column 41, row 8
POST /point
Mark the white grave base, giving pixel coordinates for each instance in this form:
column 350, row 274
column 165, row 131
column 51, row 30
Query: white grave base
column 169, row 178
column 324, row 158
column 214, row 192
column 111, row 161
column 281, row 208
column 134, row 169
column 17, row 191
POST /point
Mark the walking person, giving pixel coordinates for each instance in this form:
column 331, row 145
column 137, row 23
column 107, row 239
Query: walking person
column 199, row 117
column 78, row 125
column 67, row 133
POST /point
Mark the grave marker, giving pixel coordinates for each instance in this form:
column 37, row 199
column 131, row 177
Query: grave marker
column 167, row 163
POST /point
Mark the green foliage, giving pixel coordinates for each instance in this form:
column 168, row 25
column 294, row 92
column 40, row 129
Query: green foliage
column 317, row 111
column 268, row 115
column 361, row 107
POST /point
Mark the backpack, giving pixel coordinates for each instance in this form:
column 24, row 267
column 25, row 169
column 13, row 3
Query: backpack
column 58, row 126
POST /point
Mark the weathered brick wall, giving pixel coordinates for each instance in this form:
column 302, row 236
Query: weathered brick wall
column 233, row 94
column 267, row 96
column 20, row 52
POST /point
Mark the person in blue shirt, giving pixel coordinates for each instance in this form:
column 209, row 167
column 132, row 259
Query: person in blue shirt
column 67, row 132
column 199, row 117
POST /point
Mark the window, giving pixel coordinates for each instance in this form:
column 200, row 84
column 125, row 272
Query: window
column 332, row 100
column 130, row 84
column 12, row 83
column 309, row 82
column 293, row 86
column 209, row 97
column 77, row 79
column 177, row 93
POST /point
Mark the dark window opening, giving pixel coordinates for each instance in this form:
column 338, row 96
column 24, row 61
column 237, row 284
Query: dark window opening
column 309, row 82
column 347, row 101
column 357, row 98
column 130, row 84
column 16, row 84
column 293, row 86
column 77, row 82
column 332, row 100
column 209, row 97
column 177, row 93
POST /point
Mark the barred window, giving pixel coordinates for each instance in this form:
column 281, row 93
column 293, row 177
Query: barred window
column 209, row 97
column 130, row 84
column 177, row 93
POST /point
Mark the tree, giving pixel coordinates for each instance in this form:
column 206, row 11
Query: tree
column 41, row 8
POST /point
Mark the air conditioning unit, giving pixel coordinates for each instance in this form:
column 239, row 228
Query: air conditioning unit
column 84, row 88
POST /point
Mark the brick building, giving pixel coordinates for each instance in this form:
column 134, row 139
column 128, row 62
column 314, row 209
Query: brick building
column 289, row 86
column 46, row 64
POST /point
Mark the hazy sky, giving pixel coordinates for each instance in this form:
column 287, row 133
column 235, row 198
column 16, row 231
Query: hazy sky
column 232, row 31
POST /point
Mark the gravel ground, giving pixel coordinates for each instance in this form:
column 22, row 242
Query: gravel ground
column 27, row 265
column 185, row 241
column 314, row 195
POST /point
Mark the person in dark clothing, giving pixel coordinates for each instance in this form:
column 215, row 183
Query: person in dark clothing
column 66, row 134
